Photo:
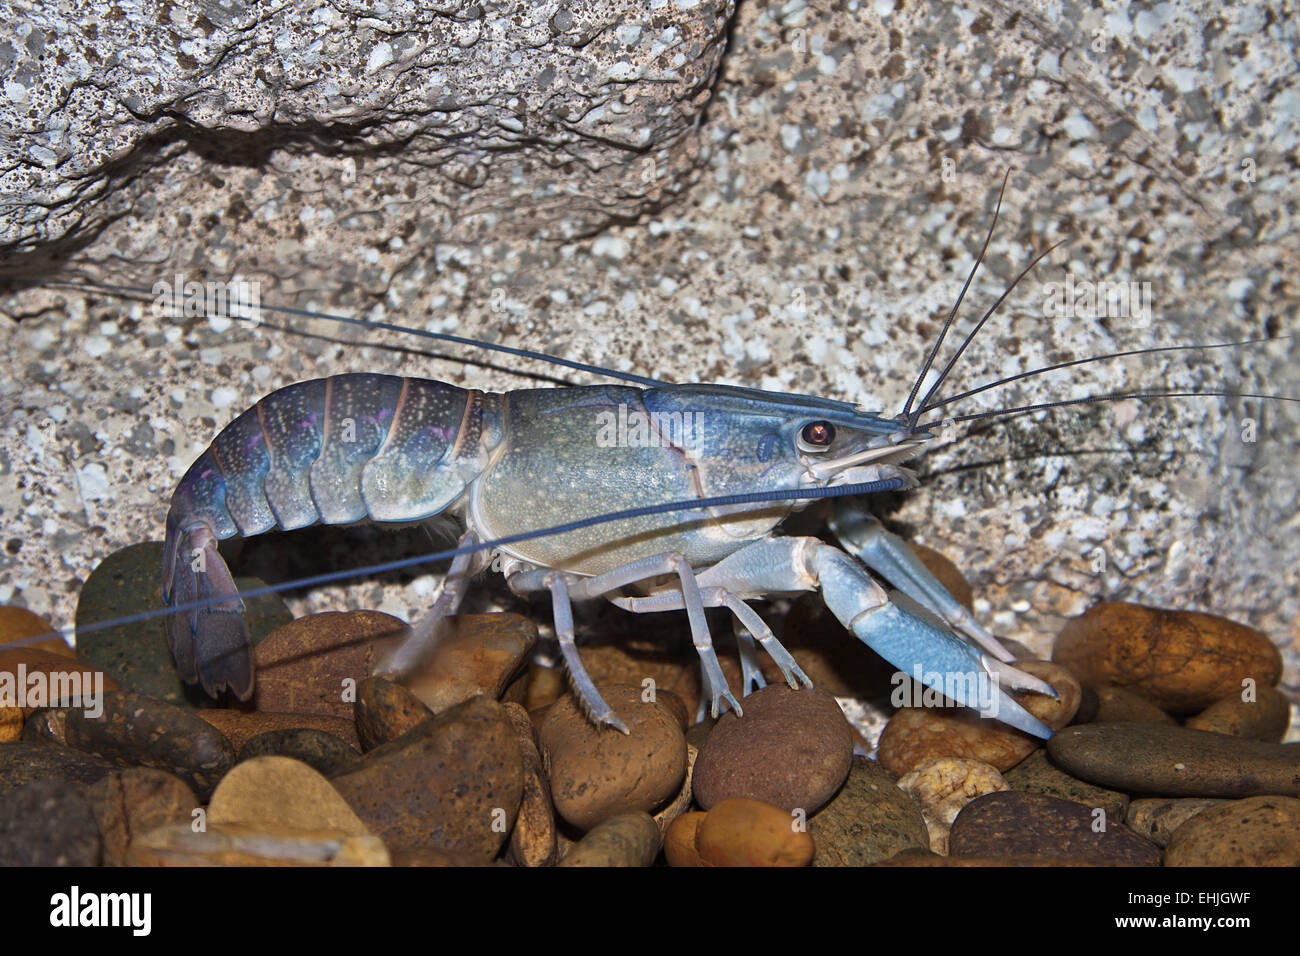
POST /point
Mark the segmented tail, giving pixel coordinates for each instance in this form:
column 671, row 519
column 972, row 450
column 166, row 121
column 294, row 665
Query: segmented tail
column 209, row 644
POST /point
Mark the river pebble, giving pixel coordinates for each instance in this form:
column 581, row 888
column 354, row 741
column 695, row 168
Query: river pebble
column 22, row 762
column 1115, row 705
column 284, row 794
column 1263, row 713
column 240, row 845
column 868, row 820
column 241, row 726
column 943, row 786
column 385, row 710
column 314, row 664
column 1175, row 762
column 532, row 841
column 477, row 654
column 137, row 730
column 323, row 752
column 597, row 773
column 1183, row 661
column 453, row 783
column 1037, row 774
column 629, row 839
column 740, row 831
column 1012, row 823
column 791, row 748
column 136, row 800
column 1259, row 831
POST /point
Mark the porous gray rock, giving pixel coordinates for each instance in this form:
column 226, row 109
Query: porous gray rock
column 560, row 116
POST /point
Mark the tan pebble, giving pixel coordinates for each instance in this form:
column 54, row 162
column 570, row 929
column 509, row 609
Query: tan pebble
column 629, row 839
column 1257, row 831
column 545, row 686
column 1260, row 713
column 1054, row 713
column 917, row 734
column 282, row 793
column 532, row 841
column 479, row 654
column 740, row 831
column 1182, row 661
column 599, row 772
column 1156, row 818
column 17, row 623
column 679, row 841
column 943, row 785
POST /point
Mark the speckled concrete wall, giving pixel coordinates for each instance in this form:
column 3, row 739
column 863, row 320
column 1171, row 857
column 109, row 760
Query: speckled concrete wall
column 846, row 169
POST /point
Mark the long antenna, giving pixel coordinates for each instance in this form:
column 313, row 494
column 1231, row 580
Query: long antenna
column 127, row 291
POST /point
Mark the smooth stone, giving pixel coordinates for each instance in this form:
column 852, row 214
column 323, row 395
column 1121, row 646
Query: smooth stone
column 629, row 839
column 598, row 772
column 33, row 677
column 1037, row 774
column 284, row 794
column 22, row 762
column 47, row 823
column 740, row 831
column 1156, row 818
column 916, row 734
column 18, row 623
column 454, row 782
column 138, row 654
column 1259, row 831
column 240, row 845
column 46, row 725
column 313, row 665
column 1012, row 823
column 532, row 841
column 323, row 752
column 1182, row 661
column 1115, row 705
column 143, row 731
column 679, row 840
column 477, row 654
column 136, row 800
column 385, row 710
column 545, row 686
column 1175, row 762
column 791, row 748
column 943, row 786
column 241, row 726
column 868, row 820
column 1265, row 717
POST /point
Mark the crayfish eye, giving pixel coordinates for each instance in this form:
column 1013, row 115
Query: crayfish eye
column 817, row 434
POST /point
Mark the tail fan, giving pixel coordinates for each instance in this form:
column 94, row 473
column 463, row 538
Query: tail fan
column 209, row 642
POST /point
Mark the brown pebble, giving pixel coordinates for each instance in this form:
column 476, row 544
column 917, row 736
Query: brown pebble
column 1030, row 824
column 791, row 748
column 136, row 800
column 1259, row 831
column 599, row 772
column 740, row 831
column 1263, row 713
column 241, row 726
column 679, row 841
column 386, row 710
column 1182, row 661
column 1115, row 705
column 868, row 820
column 1175, row 762
column 281, row 793
column 314, row 664
column 453, row 783
column 477, row 654
column 532, row 841
column 629, row 839
column 17, row 623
